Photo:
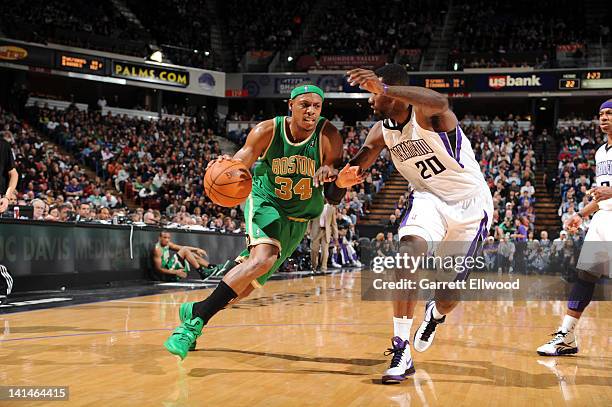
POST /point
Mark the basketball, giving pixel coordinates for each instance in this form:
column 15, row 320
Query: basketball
column 227, row 183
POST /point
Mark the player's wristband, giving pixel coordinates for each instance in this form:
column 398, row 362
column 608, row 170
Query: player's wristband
column 333, row 193
column 580, row 215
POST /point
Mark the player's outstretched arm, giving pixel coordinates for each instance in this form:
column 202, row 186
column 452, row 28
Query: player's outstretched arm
column 257, row 142
column 371, row 149
column 332, row 150
column 431, row 108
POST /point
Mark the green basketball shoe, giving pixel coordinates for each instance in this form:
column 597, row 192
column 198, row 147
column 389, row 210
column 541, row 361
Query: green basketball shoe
column 214, row 271
column 184, row 337
column 186, row 314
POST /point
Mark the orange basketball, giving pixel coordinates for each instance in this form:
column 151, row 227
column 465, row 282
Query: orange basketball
column 228, row 183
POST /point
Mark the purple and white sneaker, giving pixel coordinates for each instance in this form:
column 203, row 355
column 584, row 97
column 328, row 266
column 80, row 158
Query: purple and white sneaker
column 401, row 362
column 424, row 336
column 562, row 343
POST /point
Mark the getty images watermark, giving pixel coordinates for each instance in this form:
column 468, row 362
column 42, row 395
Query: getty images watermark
column 534, row 272
column 465, row 277
column 441, row 272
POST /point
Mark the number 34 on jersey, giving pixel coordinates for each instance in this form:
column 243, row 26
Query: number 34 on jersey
column 288, row 187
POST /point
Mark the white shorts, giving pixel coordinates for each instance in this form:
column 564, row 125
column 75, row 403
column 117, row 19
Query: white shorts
column 595, row 256
column 463, row 223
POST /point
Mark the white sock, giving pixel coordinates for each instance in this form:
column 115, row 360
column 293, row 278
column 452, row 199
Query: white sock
column 569, row 323
column 401, row 327
column 436, row 314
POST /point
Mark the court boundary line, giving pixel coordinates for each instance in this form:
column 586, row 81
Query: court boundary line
column 307, row 324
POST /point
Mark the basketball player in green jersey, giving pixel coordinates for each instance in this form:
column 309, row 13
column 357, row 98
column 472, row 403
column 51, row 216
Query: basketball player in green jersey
column 299, row 156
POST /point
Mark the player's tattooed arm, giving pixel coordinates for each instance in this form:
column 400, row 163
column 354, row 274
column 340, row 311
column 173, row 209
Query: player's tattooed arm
column 256, row 144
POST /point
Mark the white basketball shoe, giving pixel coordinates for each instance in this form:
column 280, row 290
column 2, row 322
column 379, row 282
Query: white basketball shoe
column 424, row 336
column 562, row 343
column 401, row 361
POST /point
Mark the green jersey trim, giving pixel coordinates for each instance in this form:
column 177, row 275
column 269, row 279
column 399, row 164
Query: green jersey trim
column 306, row 140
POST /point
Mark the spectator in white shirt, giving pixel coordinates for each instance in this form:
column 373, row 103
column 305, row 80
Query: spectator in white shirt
column 109, row 201
column 107, row 154
column 529, row 188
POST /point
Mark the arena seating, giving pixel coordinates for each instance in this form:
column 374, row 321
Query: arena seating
column 499, row 34
column 179, row 28
column 367, row 30
column 93, row 25
column 579, row 140
column 484, row 34
column 262, row 25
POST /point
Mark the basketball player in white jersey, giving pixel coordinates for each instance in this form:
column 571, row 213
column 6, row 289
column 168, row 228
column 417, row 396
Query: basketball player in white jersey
column 595, row 258
column 451, row 201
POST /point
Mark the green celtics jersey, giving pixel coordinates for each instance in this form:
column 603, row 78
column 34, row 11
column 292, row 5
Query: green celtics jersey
column 169, row 261
column 284, row 176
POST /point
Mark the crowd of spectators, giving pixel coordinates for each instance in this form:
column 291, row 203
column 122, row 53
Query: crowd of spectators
column 502, row 34
column 94, row 25
column 262, row 25
column 166, row 187
column 52, row 181
column 367, row 30
column 576, row 170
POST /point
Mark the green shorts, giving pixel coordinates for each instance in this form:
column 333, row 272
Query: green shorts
column 265, row 224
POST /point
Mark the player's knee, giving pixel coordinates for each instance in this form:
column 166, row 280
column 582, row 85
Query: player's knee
column 412, row 246
column 182, row 252
column 260, row 265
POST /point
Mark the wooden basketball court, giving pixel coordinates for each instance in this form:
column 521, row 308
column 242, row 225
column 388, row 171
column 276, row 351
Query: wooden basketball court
column 309, row 341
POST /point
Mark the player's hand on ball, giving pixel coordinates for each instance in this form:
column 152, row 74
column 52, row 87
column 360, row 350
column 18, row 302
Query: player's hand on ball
column 4, row 203
column 600, row 193
column 325, row 173
column 219, row 159
column 366, row 80
column 573, row 223
column 349, row 176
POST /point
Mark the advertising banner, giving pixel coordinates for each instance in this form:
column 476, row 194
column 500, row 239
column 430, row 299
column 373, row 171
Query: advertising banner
column 151, row 73
column 86, row 252
column 17, row 53
column 206, row 82
column 280, row 85
column 306, row 62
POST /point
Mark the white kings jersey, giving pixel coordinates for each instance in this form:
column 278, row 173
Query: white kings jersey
column 440, row 163
column 603, row 172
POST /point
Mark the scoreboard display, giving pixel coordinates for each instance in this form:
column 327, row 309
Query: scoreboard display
column 597, row 79
column 70, row 61
column 444, row 83
column 591, row 79
column 569, row 84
